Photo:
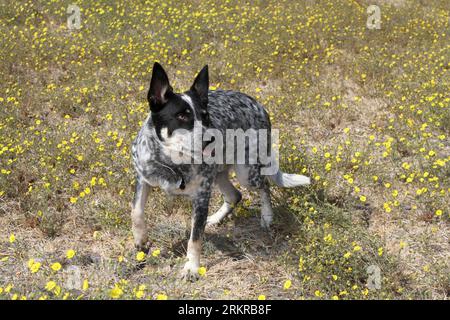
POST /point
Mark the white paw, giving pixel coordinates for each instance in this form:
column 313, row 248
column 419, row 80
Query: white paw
column 213, row 220
column 190, row 271
column 221, row 214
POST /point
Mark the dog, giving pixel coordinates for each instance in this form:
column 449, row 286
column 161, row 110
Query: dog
column 175, row 119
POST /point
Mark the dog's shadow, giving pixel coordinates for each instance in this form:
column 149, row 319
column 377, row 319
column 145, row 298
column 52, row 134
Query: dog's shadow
column 241, row 237
column 211, row 242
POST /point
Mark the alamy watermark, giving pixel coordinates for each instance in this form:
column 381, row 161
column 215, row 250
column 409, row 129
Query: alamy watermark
column 374, row 277
column 232, row 146
column 74, row 18
column 73, row 280
column 374, row 17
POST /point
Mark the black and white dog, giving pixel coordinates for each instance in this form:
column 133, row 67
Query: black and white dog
column 172, row 125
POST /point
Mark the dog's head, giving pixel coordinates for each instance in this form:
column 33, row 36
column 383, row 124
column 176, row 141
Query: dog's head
column 172, row 111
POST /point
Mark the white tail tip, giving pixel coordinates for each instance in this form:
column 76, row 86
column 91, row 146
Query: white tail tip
column 289, row 180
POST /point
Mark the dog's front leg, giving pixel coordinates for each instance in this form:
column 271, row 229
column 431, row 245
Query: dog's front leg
column 139, row 226
column 200, row 203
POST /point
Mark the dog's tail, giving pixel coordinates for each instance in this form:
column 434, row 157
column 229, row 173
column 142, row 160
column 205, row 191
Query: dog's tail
column 289, row 180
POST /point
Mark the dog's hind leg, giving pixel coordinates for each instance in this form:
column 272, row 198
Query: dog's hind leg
column 266, row 208
column 250, row 176
column 139, row 227
column 231, row 197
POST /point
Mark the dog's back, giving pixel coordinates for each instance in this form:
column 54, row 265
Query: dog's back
column 236, row 110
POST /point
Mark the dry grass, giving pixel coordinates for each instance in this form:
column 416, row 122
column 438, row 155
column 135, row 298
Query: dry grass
column 364, row 112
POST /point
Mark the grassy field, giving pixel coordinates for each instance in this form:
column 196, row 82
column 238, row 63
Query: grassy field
column 364, row 112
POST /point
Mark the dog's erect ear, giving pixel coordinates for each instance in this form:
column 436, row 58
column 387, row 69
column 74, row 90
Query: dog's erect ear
column 201, row 85
column 159, row 87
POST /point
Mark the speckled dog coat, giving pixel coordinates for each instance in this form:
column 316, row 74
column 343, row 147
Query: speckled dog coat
column 172, row 113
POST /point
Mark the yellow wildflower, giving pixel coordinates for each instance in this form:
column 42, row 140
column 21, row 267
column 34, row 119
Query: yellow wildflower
column 202, row 271
column 161, row 296
column 70, row 254
column 156, row 252
column 140, row 256
column 287, row 284
column 116, row 292
column 56, row 266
